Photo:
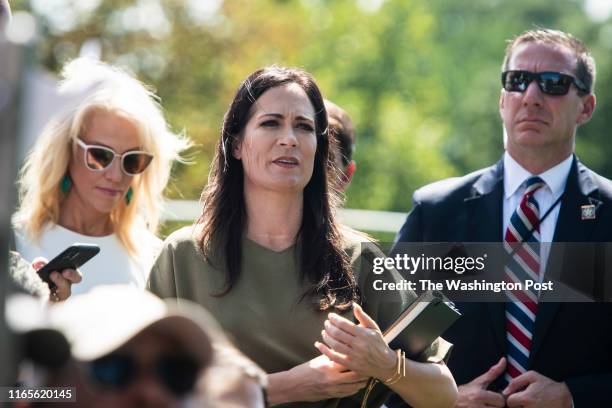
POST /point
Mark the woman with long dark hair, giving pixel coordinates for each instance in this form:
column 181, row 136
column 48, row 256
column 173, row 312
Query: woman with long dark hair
column 269, row 260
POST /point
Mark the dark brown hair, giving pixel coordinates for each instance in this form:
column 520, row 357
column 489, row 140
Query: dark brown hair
column 219, row 229
column 585, row 63
column 341, row 132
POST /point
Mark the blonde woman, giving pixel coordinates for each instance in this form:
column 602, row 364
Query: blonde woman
column 97, row 174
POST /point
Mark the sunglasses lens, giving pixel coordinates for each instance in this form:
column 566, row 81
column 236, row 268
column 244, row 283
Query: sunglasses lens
column 136, row 163
column 98, row 158
column 554, row 83
column 516, row 81
column 178, row 373
column 550, row 83
column 113, row 371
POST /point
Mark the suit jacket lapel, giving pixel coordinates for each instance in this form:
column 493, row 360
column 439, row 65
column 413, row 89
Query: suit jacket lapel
column 484, row 224
column 484, row 206
column 580, row 190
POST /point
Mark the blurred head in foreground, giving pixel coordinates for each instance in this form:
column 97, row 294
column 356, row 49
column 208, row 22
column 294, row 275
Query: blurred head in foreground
column 128, row 349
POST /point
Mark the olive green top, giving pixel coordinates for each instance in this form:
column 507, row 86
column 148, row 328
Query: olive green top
column 263, row 312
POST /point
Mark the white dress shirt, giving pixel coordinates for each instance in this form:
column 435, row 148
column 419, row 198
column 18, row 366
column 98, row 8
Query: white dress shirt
column 555, row 178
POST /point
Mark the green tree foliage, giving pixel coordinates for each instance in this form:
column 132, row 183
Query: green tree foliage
column 419, row 77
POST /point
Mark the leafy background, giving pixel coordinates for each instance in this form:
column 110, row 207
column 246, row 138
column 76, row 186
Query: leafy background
column 420, row 78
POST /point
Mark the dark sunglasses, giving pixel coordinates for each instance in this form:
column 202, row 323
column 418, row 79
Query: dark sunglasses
column 99, row 158
column 550, row 83
column 117, row 371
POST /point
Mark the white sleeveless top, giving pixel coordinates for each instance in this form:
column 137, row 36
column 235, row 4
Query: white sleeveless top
column 112, row 265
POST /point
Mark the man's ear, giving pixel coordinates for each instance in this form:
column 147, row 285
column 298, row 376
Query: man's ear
column 588, row 107
column 350, row 170
column 347, row 174
column 237, row 149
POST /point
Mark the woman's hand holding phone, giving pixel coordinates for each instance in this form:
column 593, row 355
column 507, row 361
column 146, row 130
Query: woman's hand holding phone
column 61, row 272
column 63, row 280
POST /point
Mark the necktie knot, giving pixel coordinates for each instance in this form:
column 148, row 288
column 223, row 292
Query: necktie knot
column 532, row 185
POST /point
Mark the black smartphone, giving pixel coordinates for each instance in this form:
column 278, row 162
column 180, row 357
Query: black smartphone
column 71, row 258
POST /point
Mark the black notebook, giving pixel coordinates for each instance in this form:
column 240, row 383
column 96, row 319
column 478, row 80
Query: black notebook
column 421, row 323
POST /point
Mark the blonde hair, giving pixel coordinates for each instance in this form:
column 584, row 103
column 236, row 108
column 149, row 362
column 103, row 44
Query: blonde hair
column 99, row 87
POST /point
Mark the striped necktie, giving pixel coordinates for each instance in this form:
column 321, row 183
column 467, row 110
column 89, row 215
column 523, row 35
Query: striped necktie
column 522, row 243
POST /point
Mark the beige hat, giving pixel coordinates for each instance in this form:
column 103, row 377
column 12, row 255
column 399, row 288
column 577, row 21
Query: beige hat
column 107, row 317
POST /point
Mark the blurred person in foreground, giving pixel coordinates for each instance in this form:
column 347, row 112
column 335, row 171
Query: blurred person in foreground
column 25, row 279
column 268, row 259
column 341, row 144
column 22, row 274
column 133, row 351
column 5, row 13
column 531, row 353
column 96, row 175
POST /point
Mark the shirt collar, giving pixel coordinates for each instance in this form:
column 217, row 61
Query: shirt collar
column 555, row 177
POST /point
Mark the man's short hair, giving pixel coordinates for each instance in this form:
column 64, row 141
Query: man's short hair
column 341, row 130
column 585, row 63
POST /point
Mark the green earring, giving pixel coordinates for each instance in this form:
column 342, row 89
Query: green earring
column 128, row 196
column 65, row 184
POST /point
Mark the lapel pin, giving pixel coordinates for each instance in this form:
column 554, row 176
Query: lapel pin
column 588, row 212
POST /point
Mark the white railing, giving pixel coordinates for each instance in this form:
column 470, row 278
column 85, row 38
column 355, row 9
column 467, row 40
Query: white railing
column 363, row 220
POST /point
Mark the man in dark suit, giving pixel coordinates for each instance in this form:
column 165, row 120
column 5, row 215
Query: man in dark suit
column 561, row 353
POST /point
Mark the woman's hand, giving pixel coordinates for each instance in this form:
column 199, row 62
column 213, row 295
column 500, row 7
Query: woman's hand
column 314, row 380
column 360, row 348
column 63, row 281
